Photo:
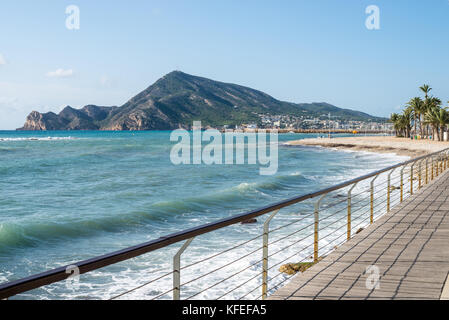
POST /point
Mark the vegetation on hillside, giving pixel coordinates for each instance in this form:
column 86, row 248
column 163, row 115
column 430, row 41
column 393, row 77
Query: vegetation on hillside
column 178, row 99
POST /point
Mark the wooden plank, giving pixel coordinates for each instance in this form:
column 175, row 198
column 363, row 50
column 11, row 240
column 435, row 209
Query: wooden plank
column 409, row 246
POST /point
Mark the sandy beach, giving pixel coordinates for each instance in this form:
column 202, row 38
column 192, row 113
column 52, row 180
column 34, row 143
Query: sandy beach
column 381, row 144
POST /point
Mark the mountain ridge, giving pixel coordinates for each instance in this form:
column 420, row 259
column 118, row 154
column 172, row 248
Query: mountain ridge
column 176, row 100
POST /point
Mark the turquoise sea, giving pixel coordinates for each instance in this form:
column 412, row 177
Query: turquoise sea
column 70, row 196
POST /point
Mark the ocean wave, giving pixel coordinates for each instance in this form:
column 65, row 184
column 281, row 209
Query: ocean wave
column 13, row 235
column 8, row 149
column 33, row 234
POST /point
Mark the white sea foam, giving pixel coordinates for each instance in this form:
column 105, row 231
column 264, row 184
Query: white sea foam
column 38, row 139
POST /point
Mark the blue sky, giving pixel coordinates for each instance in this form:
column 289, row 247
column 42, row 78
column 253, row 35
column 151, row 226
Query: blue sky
column 299, row 51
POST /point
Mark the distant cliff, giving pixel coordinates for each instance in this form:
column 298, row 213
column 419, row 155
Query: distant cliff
column 175, row 101
column 87, row 118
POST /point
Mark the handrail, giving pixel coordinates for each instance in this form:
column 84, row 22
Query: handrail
column 55, row 275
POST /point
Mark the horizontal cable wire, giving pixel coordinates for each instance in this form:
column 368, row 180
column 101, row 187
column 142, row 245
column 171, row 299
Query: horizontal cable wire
column 223, row 266
column 280, row 250
column 296, row 253
column 289, row 235
column 223, row 280
column 291, row 223
column 141, row 286
column 221, row 252
column 303, row 260
column 240, row 285
column 162, row 294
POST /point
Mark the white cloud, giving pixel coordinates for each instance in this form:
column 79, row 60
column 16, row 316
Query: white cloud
column 2, row 60
column 60, row 73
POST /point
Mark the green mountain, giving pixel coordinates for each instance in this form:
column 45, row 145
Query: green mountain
column 178, row 99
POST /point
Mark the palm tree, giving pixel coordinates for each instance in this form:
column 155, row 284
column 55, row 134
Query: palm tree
column 431, row 119
column 406, row 119
column 422, row 108
column 443, row 120
column 427, row 112
column 426, row 89
column 395, row 119
column 434, row 102
column 403, row 125
column 437, row 118
column 435, row 106
column 417, row 106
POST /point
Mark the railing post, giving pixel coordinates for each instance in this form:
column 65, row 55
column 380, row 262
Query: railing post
column 266, row 230
column 402, row 183
column 372, row 200
column 316, row 228
column 348, row 237
column 419, row 174
column 445, row 161
column 388, row 190
column 436, row 167
column 411, row 178
column 445, row 158
column 177, row 270
column 427, row 170
column 431, row 171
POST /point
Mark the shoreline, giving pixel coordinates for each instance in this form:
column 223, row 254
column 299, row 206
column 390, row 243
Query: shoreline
column 382, row 144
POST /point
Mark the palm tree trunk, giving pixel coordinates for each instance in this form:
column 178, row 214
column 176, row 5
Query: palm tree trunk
column 420, row 126
column 414, row 123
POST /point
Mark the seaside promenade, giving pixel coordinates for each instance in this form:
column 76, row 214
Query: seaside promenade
column 408, row 248
column 389, row 240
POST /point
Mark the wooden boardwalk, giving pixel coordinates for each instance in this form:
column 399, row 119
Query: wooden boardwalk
column 409, row 246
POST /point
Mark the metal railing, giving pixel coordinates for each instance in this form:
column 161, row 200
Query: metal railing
column 315, row 224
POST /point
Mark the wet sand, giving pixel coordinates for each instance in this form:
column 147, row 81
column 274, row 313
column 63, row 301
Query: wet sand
column 380, row 144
